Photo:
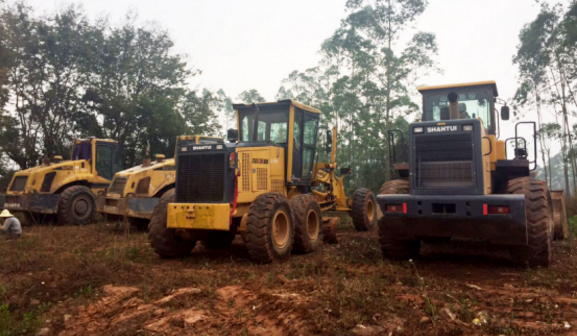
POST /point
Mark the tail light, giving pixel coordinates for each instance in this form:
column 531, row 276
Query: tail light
column 232, row 160
column 496, row 209
column 396, row 208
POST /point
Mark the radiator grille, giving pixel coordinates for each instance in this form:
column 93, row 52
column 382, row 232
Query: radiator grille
column 19, row 183
column 261, row 179
column 117, row 186
column 245, row 171
column 277, row 185
column 445, row 161
column 200, row 178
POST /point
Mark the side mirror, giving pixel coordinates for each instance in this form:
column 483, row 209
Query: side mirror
column 329, row 141
column 232, row 135
column 505, row 112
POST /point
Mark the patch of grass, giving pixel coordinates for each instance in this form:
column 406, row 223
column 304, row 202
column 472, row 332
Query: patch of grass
column 28, row 324
column 573, row 226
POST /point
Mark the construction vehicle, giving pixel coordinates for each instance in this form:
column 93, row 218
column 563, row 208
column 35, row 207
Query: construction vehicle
column 64, row 191
column 459, row 183
column 264, row 185
column 134, row 192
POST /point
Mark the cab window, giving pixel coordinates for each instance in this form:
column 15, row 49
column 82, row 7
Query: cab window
column 272, row 125
column 473, row 103
column 108, row 160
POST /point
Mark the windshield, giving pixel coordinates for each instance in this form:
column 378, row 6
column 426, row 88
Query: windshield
column 272, row 125
column 473, row 104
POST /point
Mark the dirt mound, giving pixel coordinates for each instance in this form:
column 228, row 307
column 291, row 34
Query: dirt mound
column 187, row 311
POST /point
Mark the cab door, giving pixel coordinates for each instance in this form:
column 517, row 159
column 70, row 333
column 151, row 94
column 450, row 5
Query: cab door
column 305, row 129
column 108, row 159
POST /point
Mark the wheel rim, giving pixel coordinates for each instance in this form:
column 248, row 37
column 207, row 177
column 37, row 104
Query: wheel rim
column 370, row 210
column 280, row 229
column 82, row 207
column 312, row 225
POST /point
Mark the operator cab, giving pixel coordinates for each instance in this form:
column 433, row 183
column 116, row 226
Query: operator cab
column 470, row 101
column 287, row 124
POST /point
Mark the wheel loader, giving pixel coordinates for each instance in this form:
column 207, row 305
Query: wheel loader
column 64, row 191
column 134, row 192
column 266, row 185
column 460, row 182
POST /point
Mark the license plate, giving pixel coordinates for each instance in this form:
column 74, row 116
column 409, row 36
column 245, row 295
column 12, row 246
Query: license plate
column 11, row 205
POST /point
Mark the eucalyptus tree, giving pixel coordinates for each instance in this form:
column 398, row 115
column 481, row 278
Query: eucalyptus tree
column 365, row 80
column 250, row 96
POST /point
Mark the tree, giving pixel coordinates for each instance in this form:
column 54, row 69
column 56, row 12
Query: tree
column 251, row 96
column 365, row 81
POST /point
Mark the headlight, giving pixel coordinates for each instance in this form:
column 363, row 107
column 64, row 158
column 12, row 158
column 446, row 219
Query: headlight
column 468, row 128
column 418, row 130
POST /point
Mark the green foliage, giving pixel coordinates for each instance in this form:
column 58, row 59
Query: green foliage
column 364, row 83
column 69, row 78
column 573, row 226
column 251, row 96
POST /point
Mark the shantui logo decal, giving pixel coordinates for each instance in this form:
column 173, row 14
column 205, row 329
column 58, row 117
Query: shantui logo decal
column 436, row 129
column 201, row 147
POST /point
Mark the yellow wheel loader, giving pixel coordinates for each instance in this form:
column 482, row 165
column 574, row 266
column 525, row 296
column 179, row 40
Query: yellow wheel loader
column 134, row 192
column 265, row 185
column 64, row 191
column 460, row 182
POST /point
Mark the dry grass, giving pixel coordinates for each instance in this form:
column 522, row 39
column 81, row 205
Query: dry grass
column 53, row 270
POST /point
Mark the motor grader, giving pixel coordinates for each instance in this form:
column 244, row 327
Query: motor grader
column 265, row 185
column 134, row 192
column 460, row 183
column 64, row 191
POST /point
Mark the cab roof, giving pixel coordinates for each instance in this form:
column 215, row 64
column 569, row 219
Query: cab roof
column 280, row 103
column 491, row 83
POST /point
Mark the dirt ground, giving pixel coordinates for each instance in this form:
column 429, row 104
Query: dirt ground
column 103, row 279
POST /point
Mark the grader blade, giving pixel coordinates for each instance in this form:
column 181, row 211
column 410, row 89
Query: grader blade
column 561, row 226
column 330, row 230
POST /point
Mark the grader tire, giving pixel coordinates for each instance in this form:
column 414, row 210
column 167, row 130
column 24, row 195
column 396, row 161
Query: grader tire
column 391, row 246
column 539, row 221
column 163, row 240
column 560, row 215
column 270, row 230
column 76, row 206
column 308, row 223
column 364, row 211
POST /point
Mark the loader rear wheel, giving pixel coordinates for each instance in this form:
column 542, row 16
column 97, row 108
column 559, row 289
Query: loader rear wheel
column 308, row 223
column 364, row 211
column 163, row 240
column 76, row 206
column 539, row 221
column 390, row 230
column 270, row 230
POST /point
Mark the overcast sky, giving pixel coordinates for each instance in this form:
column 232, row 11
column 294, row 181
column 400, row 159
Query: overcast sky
column 248, row 44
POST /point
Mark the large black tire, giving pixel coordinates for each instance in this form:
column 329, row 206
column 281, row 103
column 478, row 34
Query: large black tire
column 270, row 229
column 364, row 211
column 390, row 230
column 308, row 223
column 76, row 206
column 539, row 221
column 163, row 240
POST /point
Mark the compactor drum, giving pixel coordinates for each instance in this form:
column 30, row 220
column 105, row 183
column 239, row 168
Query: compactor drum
column 459, row 181
column 265, row 185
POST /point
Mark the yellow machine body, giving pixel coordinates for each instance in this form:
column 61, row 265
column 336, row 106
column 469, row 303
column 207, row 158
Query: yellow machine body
column 264, row 169
column 135, row 192
column 37, row 189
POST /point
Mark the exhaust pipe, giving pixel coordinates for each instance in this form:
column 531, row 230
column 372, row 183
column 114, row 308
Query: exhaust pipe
column 453, row 105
